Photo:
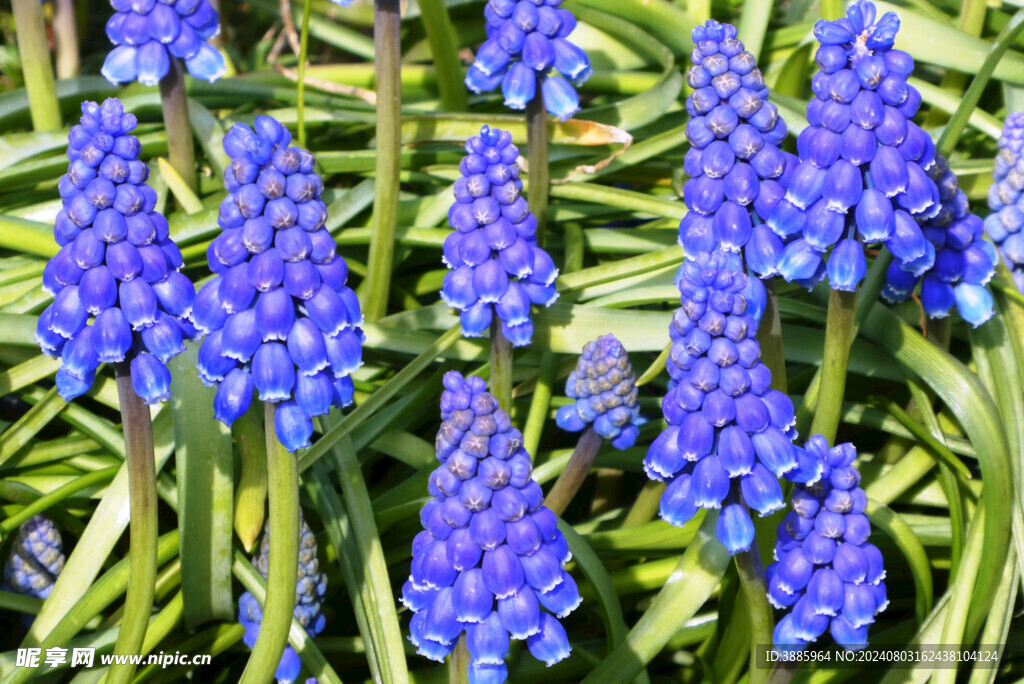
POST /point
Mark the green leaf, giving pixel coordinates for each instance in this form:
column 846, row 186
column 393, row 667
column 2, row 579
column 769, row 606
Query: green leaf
column 204, row 464
column 890, row 522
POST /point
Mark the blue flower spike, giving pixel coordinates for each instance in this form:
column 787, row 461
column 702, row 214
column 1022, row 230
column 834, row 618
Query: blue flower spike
column 526, row 40
column 603, row 386
column 309, row 598
column 490, row 560
column 826, row 574
column 729, row 435
column 737, row 171
column 964, row 261
column 1006, row 198
column 497, row 268
column 148, row 35
column 118, row 293
column 278, row 316
column 863, row 173
column 37, row 558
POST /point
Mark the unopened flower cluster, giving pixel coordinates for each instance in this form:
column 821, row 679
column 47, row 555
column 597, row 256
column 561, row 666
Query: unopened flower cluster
column 603, row 385
column 491, row 555
column 309, row 598
column 116, row 264
column 729, row 434
column 863, row 167
column 37, row 558
column 964, row 260
column 1006, row 198
column 737, row 171
column 528, row 40
column 148, row 34
column 826, row 573
column 279, row 315
column 497, row 266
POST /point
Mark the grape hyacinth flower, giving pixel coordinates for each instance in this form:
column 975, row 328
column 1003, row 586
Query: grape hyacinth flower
column 604, row 388
column 278, row 315
column 491, row 555
column 37, row 558
column 729, row 436
column 826, row 573
column 863, row 167
column 116, row 265
column 964, row 260
column 309, row 598
column 527, row 39
column 1006, row 198
column 497, row 267
column 737, row 171
column 148, row 34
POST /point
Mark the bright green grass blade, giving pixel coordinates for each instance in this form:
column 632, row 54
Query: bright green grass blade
column 44, row 502
column 24, row 374
column 30, row 237
column 753, row 24
column 204, row 464
column 890, row 522
column 961, row 391
column 364, row 529
column 684, row 592
column 34, row 420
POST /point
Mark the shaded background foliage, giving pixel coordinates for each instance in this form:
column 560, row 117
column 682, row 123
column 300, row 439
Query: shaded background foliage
column 613, row 224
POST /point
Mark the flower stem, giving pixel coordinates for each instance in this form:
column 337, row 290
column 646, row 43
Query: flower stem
column 501, row 366
column 458, row 666
column 769, row 336
column 35, row 65
column 388, row 55
column 282, row 576
column 537, row 151
column 838, row 338
column 444, row 46
column 569, row 482
column 174, row 101
column 762, row 621
column 300, row 86
column 65, row 34
column 138, row 447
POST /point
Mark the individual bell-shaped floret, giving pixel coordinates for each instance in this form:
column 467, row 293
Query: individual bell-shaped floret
column 603, row 386
column 528, row 53
column 490, row 561
column 1006, row 198
column 119, row 296
column 729, row 435
column 37, row 558
column 826, row 574
column 309, row 597
column 863, row 172
column 148, row 35
column 963, row 260
column 497, row 268
column 281, row 320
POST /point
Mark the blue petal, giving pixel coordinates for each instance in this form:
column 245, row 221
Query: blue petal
column 150, row 378
column 292, row 426
column 550, row 645
column 207, row 63
column 735, row 529
column 119, row 66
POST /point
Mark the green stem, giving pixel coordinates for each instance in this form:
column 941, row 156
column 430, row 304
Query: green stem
column 501, row 366
column 388, row 55
column 838, row 338
column 576, row 471
column 300, row 89
column 65, row 35
column 769, row 336
column 138, row 448
column 444, row 46
column 458, row 666
column 540, row 403
column 173, row 99
column 35, row 65
column 762, row 621
column 282, row 576
column 537, row 153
